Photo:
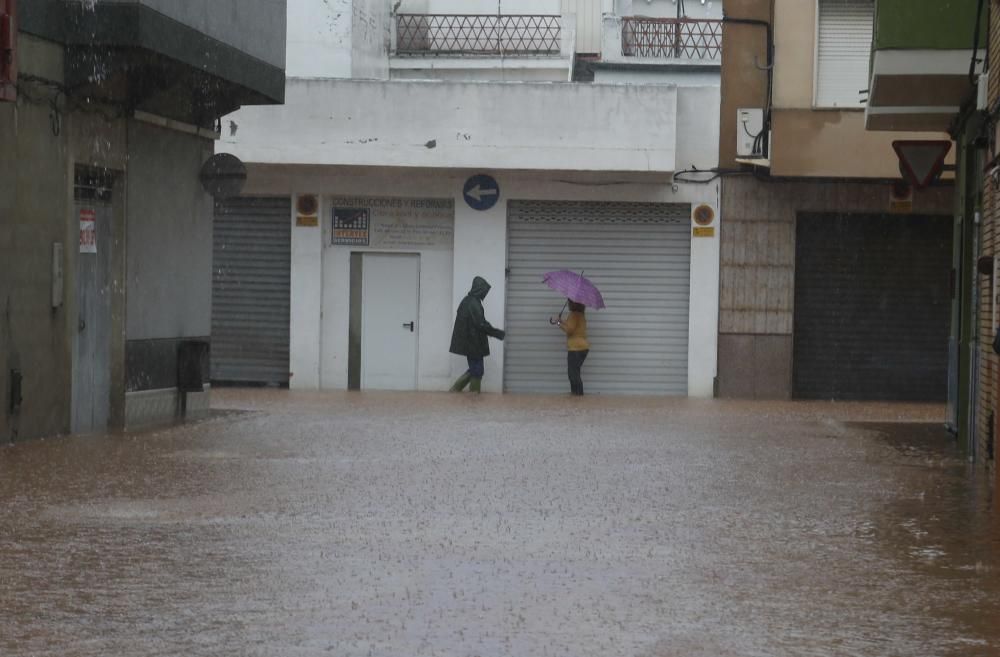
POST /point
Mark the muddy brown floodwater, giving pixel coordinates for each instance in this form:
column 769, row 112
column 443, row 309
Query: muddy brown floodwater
column 430, row 524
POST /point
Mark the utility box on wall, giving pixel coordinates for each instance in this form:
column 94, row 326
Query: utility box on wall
column 750, row 137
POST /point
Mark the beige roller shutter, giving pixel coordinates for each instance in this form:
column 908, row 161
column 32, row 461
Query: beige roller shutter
column 639, row 255
column 589, row 24
column 844, row 42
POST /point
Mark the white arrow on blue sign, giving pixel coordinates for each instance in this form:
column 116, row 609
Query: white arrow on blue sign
column 481, row 192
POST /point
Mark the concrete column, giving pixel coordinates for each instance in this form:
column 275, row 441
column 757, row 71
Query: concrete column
column 306, row 301
column 481, row 250
column 703, row 319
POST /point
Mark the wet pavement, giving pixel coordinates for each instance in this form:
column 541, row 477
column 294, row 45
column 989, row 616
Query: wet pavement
column 434, row 524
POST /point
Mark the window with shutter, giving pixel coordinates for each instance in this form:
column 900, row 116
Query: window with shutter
column 843, row 48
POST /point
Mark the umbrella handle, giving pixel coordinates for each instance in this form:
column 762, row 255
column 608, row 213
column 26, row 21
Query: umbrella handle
column 565, row 303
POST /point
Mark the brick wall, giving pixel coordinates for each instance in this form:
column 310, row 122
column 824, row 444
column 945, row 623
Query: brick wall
column 989, row 366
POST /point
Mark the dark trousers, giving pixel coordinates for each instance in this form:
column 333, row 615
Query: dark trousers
column 574, row 361
column 476, row 367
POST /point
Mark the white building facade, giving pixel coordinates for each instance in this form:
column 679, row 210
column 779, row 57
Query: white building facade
column 426, row 143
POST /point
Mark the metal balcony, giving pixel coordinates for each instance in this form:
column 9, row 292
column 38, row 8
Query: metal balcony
column 671, row 38
column 478, row 34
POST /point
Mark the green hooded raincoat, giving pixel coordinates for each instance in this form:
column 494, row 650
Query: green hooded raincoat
column 469, row 338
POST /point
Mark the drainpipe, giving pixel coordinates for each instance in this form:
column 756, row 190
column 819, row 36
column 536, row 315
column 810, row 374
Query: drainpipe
column 975, row 44
column 769, row 63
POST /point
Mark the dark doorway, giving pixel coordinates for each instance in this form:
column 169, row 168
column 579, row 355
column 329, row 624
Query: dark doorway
column 872, row 306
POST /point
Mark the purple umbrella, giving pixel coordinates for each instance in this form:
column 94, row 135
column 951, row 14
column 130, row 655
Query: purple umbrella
column 574, row 286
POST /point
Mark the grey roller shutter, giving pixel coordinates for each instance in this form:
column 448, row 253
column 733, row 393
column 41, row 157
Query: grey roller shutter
column 251, row 289
column 639, row 255
column 872, row 307
column 844, row 43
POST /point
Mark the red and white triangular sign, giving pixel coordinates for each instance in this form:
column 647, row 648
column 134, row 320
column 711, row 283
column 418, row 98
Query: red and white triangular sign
column 921, row 161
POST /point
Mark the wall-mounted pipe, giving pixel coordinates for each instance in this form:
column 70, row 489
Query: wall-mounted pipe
column 769, row 62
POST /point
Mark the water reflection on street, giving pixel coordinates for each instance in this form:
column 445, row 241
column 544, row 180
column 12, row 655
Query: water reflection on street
column 433, row 524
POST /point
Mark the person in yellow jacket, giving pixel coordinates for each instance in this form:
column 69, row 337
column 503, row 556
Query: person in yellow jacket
column 577, row 345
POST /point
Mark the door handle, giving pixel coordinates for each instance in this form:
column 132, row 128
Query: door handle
column 82, row 325
column 410, row 326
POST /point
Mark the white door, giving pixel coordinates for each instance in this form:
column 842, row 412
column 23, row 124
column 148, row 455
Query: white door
column 389, row 301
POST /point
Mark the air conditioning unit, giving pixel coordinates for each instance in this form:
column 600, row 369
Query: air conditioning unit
column 751, row 141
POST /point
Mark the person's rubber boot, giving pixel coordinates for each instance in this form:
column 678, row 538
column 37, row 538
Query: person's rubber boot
column 476, row 385
column 460, row 383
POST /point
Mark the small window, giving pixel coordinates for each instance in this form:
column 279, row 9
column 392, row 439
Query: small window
column 91, row 184
column 843, row 49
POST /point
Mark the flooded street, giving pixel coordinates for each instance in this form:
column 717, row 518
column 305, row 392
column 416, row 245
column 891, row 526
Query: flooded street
column 400, row 525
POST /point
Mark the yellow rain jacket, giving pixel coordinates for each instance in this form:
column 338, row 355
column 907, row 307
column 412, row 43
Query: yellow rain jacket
column 575, row 327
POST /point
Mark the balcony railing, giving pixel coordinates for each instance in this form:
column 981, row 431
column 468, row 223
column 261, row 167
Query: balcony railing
column 671, row 38
column 472, row 34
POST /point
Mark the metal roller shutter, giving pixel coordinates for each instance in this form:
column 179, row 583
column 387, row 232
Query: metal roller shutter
column 843, row 50
column 250, row 290
column 639, row 255
column 872, row 307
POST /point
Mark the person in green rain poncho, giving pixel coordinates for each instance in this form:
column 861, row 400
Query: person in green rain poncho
column 470, row 337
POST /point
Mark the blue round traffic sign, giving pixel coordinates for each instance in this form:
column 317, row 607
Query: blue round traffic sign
column 481, row 192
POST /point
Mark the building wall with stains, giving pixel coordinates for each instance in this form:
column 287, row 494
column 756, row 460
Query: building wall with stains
column 494, row 124
column 34, row 209
column 370, row 37
column 338, row 39
column 319, row 39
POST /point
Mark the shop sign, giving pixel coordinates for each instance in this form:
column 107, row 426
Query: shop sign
column 351, row 226
column 88, row 231
column 394, row 224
